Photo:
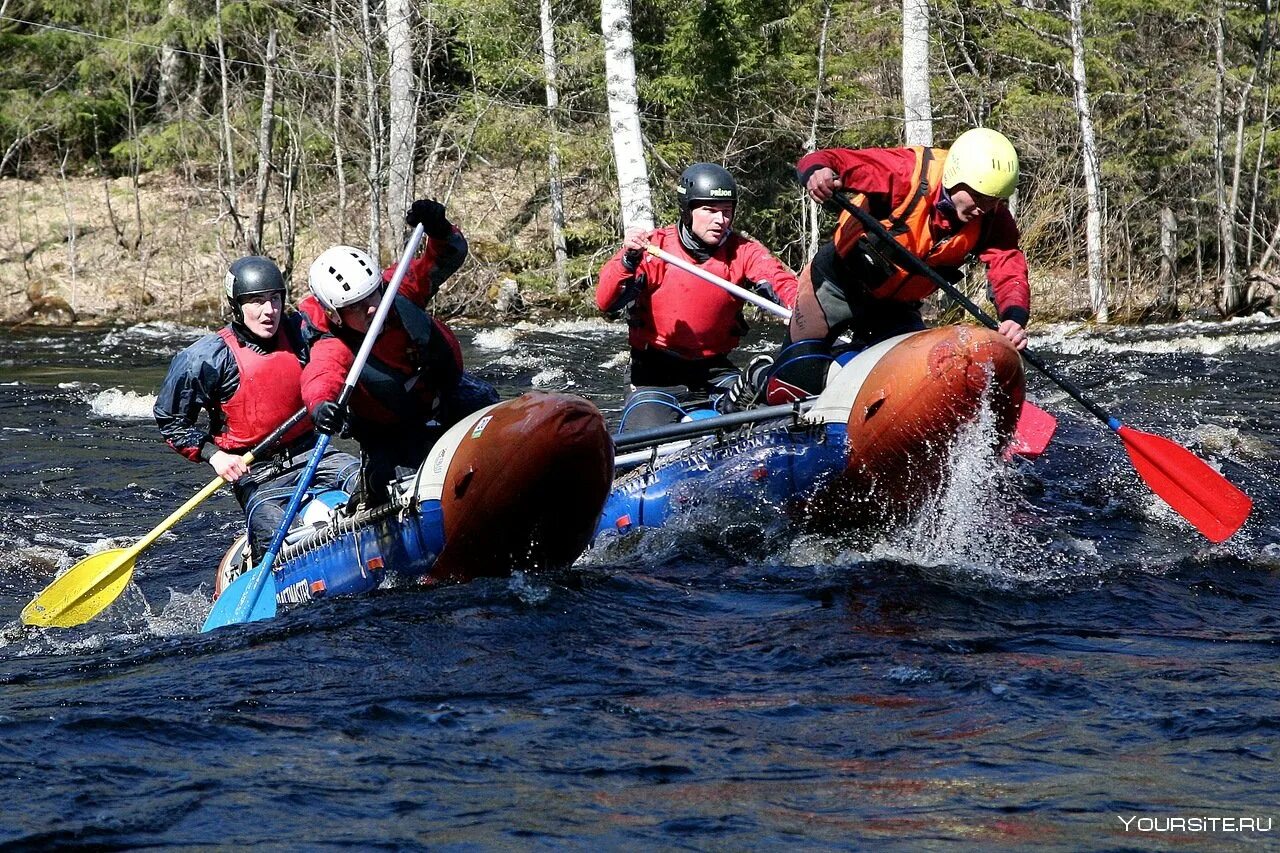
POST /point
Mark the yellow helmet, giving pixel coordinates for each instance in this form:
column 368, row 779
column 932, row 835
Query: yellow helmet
column 984, row 160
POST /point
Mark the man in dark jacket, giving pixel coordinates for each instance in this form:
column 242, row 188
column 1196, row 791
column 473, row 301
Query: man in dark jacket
column 246, row 379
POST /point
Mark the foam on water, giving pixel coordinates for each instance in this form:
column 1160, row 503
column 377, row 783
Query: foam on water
column 621, row 359
column 151, row 332
column 552, row 377
column 122, row 405
column 573, row 328
column 500, row 339
column 1257, row 332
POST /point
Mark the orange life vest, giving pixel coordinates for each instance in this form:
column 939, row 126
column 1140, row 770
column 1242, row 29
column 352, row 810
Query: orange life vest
column 911, row 224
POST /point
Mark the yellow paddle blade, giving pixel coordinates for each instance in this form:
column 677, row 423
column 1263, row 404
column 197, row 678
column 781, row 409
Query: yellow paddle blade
column 82, row 593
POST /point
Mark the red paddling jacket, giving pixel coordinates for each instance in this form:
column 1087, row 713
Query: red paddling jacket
column 680, row 313
column 902, row 187
column 414, row 359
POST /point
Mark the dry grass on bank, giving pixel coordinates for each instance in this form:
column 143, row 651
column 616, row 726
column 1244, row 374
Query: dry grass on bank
column 71, row 251
column 100, row 270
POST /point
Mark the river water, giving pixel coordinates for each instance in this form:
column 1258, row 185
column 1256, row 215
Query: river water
column 1047, row 657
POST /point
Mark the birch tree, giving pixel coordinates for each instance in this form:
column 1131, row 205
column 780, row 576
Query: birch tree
column 555, row 188
column 916, row 104
column 373, row 169
column 170, row 58
column 266, row 132
column 624, row 117
column 810, row 210
column 401, row 110
column 1098, row 297
column 339, row 165
column 230, row 190
column 1231, row 292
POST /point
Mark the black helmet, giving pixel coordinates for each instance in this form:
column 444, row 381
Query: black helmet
column 706, row 182
column 254, row 274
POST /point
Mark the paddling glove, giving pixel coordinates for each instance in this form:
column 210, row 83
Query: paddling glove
column 766, row 290
column 430, row 215
column 330, row 418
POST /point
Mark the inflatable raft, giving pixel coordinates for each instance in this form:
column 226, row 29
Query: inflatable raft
column 515, row 485
column 874, row 444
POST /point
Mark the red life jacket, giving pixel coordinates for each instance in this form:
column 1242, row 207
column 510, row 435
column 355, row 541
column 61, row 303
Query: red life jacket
column 270, row 391
column 911, row 224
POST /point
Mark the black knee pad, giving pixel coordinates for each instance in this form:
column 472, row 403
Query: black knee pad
column 651, row 407
column 801, row 372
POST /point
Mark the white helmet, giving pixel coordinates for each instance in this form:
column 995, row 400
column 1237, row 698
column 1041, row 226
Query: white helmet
column 342, row 276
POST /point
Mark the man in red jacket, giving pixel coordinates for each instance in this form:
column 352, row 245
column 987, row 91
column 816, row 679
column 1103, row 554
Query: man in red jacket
column 945, row 206
column 682, row 327
column 413, row 386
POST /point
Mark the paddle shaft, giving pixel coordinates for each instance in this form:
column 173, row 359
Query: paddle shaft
column 672, row 432
column 215, row 484
column 244, row 606
column 740, row 292
column 908, row 260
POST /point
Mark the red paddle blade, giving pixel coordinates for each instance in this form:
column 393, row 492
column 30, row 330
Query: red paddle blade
column 1034, row 432
column 1187, row 484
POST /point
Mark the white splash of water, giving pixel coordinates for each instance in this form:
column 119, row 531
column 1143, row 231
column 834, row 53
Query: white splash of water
column 1192, row 336
column 552, row 377
column 122, row 405
column 183, row 614
column 621, row 359
column 156, row 331
column 957, row 523
column 525, row 588
column 573, row 328
column 500, row 339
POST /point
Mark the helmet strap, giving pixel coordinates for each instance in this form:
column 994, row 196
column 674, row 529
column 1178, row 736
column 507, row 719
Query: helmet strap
column 947, row 206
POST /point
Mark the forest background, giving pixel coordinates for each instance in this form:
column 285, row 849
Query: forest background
column 144, row 144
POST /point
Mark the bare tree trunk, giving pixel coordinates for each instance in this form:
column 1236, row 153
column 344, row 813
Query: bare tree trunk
column 1167, row 299
column 71, row 233
column 266, row 131
column 289, row 236
column 230, row 191
column 1263, row 61
column 135, row 167
column 624, row 117
column 374, row 169
column 171, row 61
column 1089, row 155
column 400, row 111
column 916, row 104
column 555, row 188
column 810, row 212
column 1231, row 292
column 340, row 174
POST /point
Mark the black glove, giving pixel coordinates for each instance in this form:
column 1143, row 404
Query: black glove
column 430, row 215
column 330, row 418
column 766, row 290
column 631, row 259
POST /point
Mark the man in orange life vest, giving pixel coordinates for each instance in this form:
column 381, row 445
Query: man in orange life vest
column 683, row 328
column 413, row 386
column 945, row 206
column 246, row 377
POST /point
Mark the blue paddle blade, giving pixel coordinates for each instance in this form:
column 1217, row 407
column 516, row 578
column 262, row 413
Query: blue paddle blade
column 250, row 597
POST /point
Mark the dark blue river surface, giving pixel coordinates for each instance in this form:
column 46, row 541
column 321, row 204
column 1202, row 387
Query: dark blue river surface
column 1048, row 657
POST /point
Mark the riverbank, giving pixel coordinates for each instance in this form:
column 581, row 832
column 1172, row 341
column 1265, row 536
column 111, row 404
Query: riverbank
column 98, row 250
